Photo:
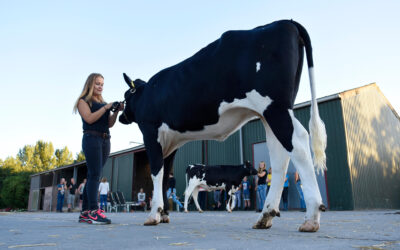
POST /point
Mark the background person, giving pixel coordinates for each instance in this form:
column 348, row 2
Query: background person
column 269, row 177
column 285, row 193
column 246, row 193
column 80, row 190
column 171, row 192
column 71, row 195
column 60, row 195
column 141, row 196
column 238, row 195
column 104, row 189
column 300, row 191
column 261, row 185
column 96, row 119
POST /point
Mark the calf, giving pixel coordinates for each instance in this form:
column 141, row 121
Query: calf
column 212, row 178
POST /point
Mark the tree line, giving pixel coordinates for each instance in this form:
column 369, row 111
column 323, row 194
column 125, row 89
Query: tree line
column 31, row 159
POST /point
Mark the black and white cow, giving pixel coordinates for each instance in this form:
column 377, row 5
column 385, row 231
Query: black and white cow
column 243, row 75
column 211, row 178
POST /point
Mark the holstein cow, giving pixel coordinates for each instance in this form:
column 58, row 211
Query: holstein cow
column 212, row 178
column 243, row 75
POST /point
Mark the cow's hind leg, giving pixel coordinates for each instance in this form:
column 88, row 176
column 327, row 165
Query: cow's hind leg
column 168, row 163
column 279, row 159
column 301, row 158
column 195, row 195
column 232, row 199
column 188, row 193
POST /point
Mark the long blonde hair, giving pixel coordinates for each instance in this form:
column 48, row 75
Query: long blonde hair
column 264, row 166
column 87, row 92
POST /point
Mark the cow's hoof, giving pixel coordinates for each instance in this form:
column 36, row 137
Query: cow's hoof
column 229, row 211
column 200, row 211
column 262, row 225
column 186, row 211
column 309, row 226
column 164, row 218
column 151, row 222
column 266, row 221
column 322, row 208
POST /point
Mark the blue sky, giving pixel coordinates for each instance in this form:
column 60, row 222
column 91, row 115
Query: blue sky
column 48, row 48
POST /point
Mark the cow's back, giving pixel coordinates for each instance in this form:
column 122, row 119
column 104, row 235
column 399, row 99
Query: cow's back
column 188, row 94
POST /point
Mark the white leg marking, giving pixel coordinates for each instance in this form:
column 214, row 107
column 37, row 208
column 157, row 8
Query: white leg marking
column 195, row 195
column 157, row 201
column 279, row 164
column 258, row 66
column 193, row 183
column 301, row 157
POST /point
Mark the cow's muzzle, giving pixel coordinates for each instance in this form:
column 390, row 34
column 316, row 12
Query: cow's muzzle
column 124, row 119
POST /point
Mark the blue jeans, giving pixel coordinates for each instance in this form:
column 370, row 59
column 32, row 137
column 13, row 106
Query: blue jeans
column 103, row 201
column 261, row 194
column 96, row 150
column 60, row 202
column 238, row 198
column 173, row 195
column 301, row 195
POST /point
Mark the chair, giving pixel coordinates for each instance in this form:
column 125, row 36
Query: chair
column 123, row 202
column 112, row 204
column 118, row 202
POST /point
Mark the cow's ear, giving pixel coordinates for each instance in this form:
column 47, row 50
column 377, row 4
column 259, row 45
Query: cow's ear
column 128, row 81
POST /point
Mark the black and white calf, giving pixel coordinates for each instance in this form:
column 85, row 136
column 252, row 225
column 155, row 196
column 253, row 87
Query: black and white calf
column 211, row 178
column 243, row 75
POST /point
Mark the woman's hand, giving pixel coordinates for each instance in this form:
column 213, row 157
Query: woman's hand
column 121, row 106
column 108, row 106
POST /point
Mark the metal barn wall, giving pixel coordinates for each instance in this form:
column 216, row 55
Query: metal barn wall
column 226, row 152
column 33, row 203
column 190, row 153
column 123, row 167
column 339, row 190
column 373, row 140
column 253, row 132
column 107, row 171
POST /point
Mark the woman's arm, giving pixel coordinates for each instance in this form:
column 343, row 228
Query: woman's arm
column 86, row 113
column 262, row 174
column 112, row 118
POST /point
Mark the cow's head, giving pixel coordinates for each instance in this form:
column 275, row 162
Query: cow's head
column 249, row 168
column 131, row 96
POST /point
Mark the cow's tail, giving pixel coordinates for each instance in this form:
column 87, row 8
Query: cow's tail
column 316, row 125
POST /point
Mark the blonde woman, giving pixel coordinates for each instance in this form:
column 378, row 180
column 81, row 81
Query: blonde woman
column 97, row 119
column 261, row 185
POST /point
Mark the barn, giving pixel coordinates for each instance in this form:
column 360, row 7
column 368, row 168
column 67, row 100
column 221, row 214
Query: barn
column 363, row 157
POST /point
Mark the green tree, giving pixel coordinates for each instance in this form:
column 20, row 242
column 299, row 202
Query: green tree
column 80, row 157
column 15, row 190
column 63, row 157
column 37, row 158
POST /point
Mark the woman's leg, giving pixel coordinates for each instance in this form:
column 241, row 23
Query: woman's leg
column 92, row 147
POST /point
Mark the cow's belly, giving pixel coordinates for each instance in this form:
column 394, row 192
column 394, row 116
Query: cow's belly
column 232, row 116
column 211, row 187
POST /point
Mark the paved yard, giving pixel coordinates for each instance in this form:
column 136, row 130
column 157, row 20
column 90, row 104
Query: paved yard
column 210, row 230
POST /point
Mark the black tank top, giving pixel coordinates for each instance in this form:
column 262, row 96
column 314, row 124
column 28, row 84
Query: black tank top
column 101, row 125
column 263, row 180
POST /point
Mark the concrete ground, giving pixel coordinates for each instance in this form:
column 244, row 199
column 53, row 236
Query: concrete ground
column 210, row 230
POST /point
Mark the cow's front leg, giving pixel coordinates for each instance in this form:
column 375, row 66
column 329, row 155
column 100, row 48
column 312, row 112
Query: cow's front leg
column 154, row 153
column 228, row 190
column 232, row 199
column 157, row 202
